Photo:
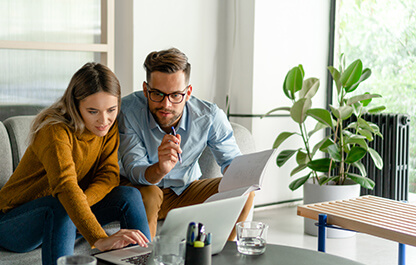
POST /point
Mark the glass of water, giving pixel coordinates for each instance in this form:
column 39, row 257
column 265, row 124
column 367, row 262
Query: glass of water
column 169, row 250
column 251, row 237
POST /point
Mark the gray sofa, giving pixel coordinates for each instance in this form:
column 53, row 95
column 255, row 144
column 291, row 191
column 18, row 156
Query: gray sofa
column 13, row 143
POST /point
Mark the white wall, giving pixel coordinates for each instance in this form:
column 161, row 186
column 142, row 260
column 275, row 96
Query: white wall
column 285, row 34
column 198, row 28
column 270, row 38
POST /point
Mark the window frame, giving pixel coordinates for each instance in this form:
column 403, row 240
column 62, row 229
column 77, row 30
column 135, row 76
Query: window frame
column 106, row 48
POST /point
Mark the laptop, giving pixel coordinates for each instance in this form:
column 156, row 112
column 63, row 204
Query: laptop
column 218, row 217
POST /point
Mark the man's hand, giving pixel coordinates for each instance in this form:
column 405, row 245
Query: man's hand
column 121, row 239
column 168, row 157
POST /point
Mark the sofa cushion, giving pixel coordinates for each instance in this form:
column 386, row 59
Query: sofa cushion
column 18, row 128
column 6, row 164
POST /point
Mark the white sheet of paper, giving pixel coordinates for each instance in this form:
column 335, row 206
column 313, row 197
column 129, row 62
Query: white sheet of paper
column 228, row 194
column 246, row 171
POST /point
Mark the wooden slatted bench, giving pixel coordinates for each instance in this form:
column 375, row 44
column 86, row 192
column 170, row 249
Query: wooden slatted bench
column 385, row 218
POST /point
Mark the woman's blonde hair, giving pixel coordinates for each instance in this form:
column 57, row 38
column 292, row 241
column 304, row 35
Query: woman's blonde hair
column 89, row 79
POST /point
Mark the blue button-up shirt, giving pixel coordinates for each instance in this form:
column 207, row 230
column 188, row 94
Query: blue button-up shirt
column 202, row 124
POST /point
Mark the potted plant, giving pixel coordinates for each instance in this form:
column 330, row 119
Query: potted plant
column 331, row 160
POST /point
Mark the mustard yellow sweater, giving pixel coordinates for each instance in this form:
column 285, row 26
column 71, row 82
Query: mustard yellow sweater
column 78, row 169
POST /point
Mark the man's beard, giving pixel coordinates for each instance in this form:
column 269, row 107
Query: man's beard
column 164, row 122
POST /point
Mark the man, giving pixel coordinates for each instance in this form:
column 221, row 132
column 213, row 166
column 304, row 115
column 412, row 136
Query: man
column 164, row 167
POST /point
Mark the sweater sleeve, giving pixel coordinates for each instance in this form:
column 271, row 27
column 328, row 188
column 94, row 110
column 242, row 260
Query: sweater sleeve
column 53, row 145
column 107, row 175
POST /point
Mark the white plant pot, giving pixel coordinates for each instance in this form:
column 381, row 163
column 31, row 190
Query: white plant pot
column 313, row 193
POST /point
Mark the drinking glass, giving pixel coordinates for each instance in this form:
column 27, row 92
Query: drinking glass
column 169, row 250
column 251, row 237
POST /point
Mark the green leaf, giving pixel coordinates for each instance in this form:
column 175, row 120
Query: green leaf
column 357, row 140
column 335, row 111
column 321, row 115
column 343, row 112
column 281, row 138
column 366, row 74
column 376, row 129
column 284, row 156
column 337, row 77
column 350, row 134
column 376, row 109
column 355, row 154
column 301, row 157
column 351, row 125
column 299, row 109
column 323, row 180
column 360, row 98
column 363, row 181
column 346, row 112
column 294, row 185
column 276, row 109
column 366, row 102
column 366, row 133
column 335, row 179
column 298, row 169
column 358, row 106
column 342, row 62
column 354, row 137
column 322, row 145
column 293, row 82
column 363, row 124
column 378, row 161
column 335, row 152
column 360, row 167
column 319, row 126
column 352, row 74
column 320, row 165
column 310, row 87
column 301, row 69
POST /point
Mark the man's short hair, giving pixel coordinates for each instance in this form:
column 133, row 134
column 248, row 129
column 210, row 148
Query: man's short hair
column 167, row 61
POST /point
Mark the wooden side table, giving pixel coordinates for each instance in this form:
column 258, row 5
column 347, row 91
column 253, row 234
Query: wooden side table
column 372, row 215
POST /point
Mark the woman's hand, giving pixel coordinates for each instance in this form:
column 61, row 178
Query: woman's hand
column 122, row 238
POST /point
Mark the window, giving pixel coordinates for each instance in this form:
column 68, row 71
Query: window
column 382, row 34
column 43, row 43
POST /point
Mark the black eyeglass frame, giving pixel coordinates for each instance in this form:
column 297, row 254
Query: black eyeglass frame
column 154, row 90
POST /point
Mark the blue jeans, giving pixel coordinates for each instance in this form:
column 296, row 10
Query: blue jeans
column 45, row 222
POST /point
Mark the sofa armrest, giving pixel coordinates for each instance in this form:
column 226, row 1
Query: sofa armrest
column 18, row 128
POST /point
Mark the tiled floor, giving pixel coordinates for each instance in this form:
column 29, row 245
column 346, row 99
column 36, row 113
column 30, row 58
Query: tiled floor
column 286, row 228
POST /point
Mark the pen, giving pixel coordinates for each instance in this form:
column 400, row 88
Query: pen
column 208, row 239
column 179, row 155
column 192, row 233
column 201, row 231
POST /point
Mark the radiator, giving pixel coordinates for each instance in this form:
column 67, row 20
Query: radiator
column 393, row 180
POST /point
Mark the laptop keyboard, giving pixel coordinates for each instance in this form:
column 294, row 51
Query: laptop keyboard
column 137, row 260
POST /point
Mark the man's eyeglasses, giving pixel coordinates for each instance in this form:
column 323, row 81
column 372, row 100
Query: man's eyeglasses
column 158, row 96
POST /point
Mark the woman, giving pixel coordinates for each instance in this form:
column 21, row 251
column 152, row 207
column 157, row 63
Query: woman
column 67, row 180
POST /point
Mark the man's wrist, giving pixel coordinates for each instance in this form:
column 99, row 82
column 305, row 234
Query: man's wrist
column 153, row 174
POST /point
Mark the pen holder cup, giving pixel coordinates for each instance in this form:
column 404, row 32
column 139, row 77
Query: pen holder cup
column 198, row 256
